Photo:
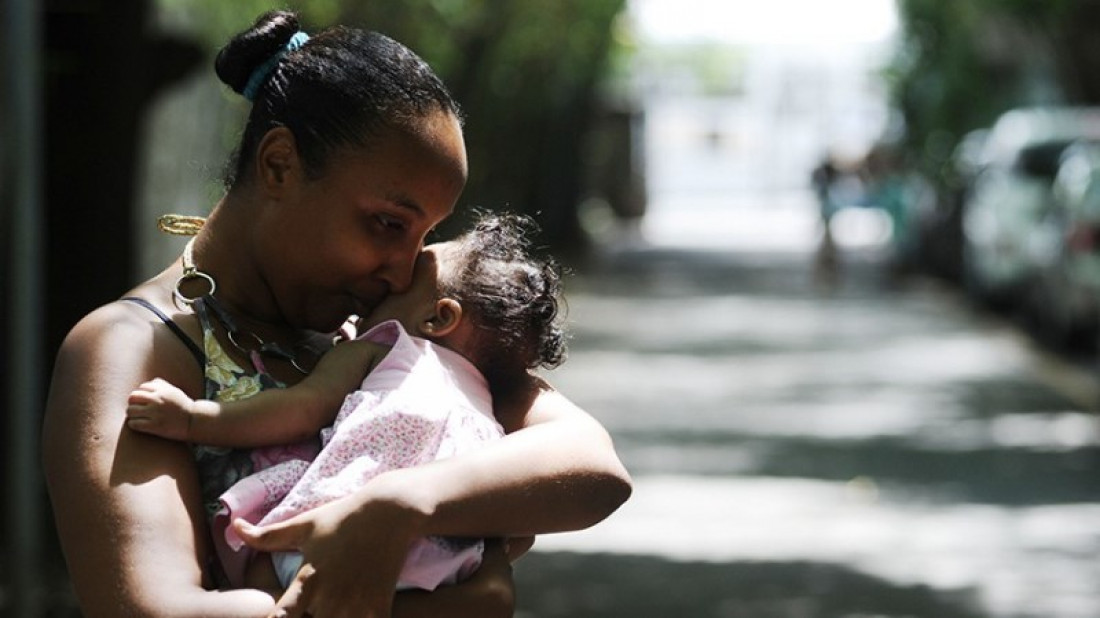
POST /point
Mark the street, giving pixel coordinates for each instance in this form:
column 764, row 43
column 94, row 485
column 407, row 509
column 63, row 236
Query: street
column 854, row 445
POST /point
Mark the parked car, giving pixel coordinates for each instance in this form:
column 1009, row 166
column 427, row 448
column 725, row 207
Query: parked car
column 1011, row 195
column 1065, row 299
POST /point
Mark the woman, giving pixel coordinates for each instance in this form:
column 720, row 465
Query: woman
column 353, row 152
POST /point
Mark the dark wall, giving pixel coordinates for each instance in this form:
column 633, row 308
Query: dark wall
column 103, row 67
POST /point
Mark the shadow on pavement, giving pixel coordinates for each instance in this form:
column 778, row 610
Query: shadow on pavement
column 1001, row 476
column 550, row 585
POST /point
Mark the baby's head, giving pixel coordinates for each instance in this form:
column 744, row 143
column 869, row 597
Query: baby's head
column 487, row 297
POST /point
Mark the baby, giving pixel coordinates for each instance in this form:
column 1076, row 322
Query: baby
column 480, row 313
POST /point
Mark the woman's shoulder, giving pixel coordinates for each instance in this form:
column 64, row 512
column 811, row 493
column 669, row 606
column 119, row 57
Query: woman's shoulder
column 129, row 337
column 105, row 327
column 105, row 356
column 115, row 322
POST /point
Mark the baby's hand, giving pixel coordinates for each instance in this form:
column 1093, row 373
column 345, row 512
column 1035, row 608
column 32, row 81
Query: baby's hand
column 161, row 409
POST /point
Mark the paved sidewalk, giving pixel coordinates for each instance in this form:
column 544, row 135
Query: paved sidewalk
column 803, row 447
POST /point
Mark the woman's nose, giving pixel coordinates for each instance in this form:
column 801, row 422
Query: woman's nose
column 398, row 272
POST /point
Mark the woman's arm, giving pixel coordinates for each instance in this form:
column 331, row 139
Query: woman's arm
column 565, row 473
column 557, row 470
column 268, row 418
column 127, row 505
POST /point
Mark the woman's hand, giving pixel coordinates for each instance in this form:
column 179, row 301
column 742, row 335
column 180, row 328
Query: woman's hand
column 333, row 582
column 336, row 540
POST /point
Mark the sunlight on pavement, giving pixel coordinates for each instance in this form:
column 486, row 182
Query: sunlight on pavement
column 949, row 546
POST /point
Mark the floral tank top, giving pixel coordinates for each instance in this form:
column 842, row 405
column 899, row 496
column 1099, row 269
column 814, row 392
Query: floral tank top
column 225, row 380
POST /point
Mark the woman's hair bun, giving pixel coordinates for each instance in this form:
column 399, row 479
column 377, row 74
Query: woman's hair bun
column 251, row 48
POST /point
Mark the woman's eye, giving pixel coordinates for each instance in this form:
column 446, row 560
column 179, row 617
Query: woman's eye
column 391, row 224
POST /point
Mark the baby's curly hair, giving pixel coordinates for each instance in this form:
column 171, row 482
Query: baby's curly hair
column 513, row 298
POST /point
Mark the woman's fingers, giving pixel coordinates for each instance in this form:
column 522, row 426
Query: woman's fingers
column 283, row 536
column 517, row 546
column 295, row 601
column 341, row 585
column 493, row 580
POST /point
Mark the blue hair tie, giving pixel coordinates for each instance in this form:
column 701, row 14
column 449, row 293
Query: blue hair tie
column 262, row 72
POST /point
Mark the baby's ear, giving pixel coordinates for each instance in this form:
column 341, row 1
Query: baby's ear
column 445, row 318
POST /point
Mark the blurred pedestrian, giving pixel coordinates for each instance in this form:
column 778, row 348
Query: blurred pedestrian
column 823, row 179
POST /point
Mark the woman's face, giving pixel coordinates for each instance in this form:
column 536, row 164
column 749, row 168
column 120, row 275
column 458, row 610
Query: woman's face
column 351, row 237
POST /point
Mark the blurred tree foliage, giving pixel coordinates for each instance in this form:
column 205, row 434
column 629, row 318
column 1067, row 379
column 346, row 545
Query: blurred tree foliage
column 961, row 64
column 527, row 73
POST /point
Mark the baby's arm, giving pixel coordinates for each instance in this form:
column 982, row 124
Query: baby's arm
column 279, row 416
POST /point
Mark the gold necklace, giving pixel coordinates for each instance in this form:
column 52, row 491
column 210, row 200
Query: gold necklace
column 260, row 348
column 190, row 226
